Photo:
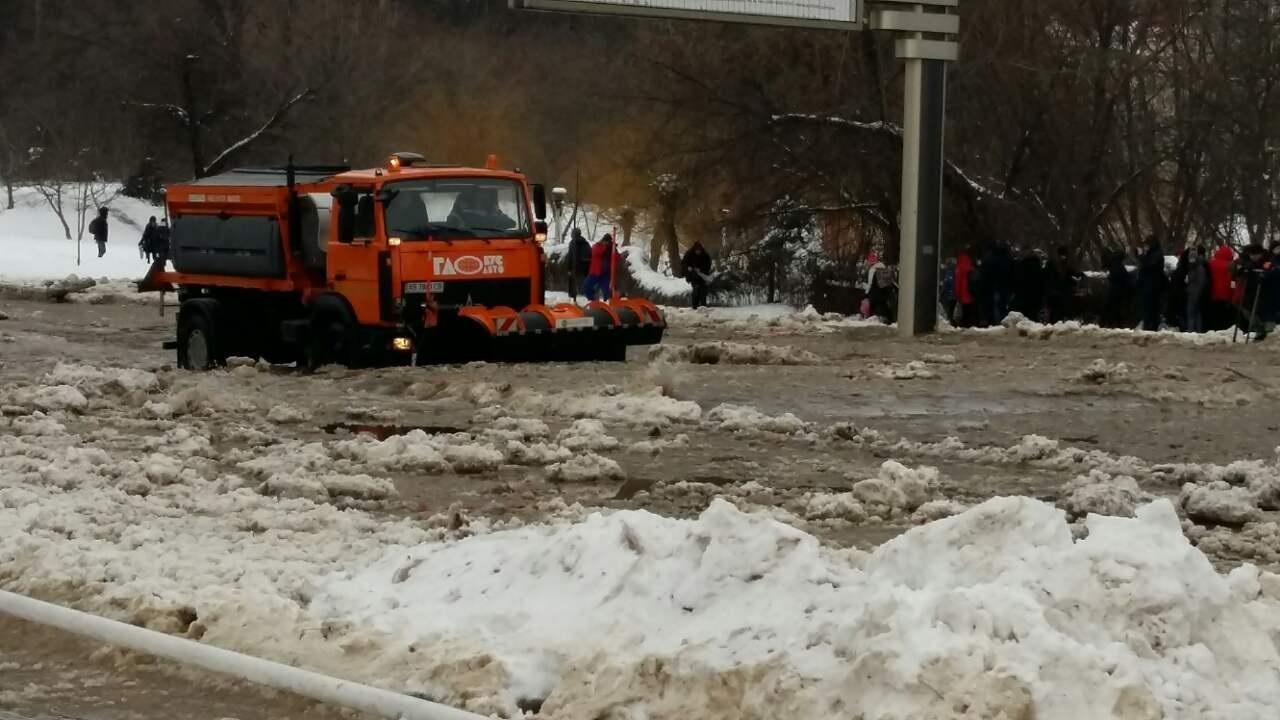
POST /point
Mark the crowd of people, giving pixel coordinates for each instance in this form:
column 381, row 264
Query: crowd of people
column 154, row 245
column 1201, row 292
column 591, row 268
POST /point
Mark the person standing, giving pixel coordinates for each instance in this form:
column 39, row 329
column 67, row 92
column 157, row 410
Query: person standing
column 947, row 290
column 964, row 290
column 1251, row 276
column 161, row 251
column 98, row 229
column 1151, row 283
column 579, row 262
column 1060, row 278
column 1221, row 302
column 998, row 271
column 1028, row 290
column 599, row 275
column 697, row 270
column 147, row 245
column 1119, row 308
column 1197, row 283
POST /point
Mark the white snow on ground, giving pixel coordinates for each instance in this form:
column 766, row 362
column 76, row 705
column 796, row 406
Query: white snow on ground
column 1018, row 323
column 743, row 418
column 34, row 247
column 765, row 319
column 896, row 490
column 652, row 280
column 996, row 612
column 1104, row 494
column 913, row 370
column 1218, row 503
column 734, row 353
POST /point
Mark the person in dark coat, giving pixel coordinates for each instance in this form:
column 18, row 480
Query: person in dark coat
column 161, row 252
column 1028, row 285
column 697, row 270
column 1119, row 292
column 1176, row 292
column 1061, row 278
column 98, row 229
column 998, row 270
column 1197, row 289
column 147, row 245
column 579, row 261
column 1251, row 274
column 1151, row 283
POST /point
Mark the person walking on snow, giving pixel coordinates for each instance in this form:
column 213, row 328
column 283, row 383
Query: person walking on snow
column 147, row 245
column 601, row 270
column 1197, row 282
column 697, row 270
column 579, row 263
column 98, row 229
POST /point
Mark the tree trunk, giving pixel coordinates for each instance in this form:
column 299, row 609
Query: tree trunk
column 193, row 117
column 8, row 186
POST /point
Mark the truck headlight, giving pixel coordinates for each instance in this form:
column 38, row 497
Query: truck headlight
column 402, row 344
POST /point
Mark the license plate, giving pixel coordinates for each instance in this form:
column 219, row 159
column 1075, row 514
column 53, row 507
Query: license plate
column 575, row 323
column 422, row 288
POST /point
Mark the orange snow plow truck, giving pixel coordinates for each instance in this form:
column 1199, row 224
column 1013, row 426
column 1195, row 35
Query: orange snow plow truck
column 405, row 263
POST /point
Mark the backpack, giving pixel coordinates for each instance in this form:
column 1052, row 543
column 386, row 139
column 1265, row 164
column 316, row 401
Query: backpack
column 883, row 277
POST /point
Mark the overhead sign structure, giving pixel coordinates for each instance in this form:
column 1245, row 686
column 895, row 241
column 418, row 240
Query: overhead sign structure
column 832, row 14
column 926, row 33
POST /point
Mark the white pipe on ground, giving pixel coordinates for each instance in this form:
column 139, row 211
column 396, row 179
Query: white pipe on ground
column 255, row 670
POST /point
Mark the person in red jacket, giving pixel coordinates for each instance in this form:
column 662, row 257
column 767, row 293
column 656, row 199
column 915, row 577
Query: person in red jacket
column 601, row 270
column 964, row 289
column 1221, row 301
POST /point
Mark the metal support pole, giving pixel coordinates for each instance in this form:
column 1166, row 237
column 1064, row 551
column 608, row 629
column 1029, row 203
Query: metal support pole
column 921, row 222
column 376, row 701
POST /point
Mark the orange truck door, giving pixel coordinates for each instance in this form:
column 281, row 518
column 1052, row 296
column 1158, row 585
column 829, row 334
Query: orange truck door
column 361, row 269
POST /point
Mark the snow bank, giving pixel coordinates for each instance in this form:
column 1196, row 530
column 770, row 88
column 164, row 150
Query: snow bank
column 652, row 280
column 732, row 353
column 765, row 319
column 35, row 249
column 996, row 612
column 1218, row 503
column 651, row 408
column 586, row 467
column 1018, row 323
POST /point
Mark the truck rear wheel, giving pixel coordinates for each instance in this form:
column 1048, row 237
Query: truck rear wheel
column 197, row 344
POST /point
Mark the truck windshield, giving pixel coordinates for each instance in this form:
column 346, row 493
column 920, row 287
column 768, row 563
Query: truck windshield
column 457, row 207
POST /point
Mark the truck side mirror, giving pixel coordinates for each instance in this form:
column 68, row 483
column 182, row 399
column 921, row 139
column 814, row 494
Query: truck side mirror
column 346, row 198
column 540, row 202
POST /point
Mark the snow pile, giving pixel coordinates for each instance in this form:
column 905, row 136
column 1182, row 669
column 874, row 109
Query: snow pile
column 1218, row 503
column 764, row 320
column 913, row 370
column 1100, row 372
column 1102, row 494
column 1018, row 323
column 746, row 419
column 287, row 414
column 896, row 491
column 732, row 353
column 672, row 288
column 320, row 488
column 996, row 612
column 586, row 434
column 644, row 409
column 102, row 381
column 48, row 398
column 586, row 467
